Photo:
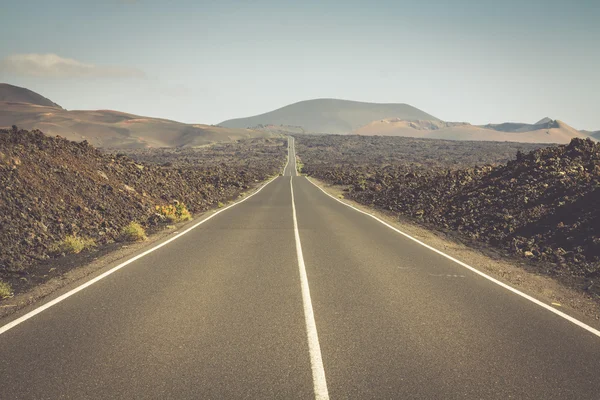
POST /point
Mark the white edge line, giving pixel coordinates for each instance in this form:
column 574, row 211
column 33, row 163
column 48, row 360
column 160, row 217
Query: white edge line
column 70, row 293
column 316, row 359
column 497, row 282
column 287, row 160
column 295, row 173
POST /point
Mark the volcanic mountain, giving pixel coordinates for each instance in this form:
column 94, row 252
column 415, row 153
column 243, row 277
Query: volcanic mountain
column 544, row 131
column 330, row 115
column 107, row 128
column 16, row 94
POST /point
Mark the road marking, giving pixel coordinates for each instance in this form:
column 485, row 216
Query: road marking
column 316, row 360
column 70, row 293
column 294, row 171
column 287, row 160
column 494, row 280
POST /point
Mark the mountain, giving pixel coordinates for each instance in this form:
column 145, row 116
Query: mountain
column 595, row 134
column 107, row 128
column 330, row 115
column 514, row 127
column 552, row 132
column 16, row 94
column 544, row 120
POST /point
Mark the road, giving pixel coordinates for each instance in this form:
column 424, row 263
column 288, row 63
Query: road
column 295, row 297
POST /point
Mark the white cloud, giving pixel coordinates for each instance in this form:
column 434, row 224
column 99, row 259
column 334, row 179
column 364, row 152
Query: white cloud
column 54, row 66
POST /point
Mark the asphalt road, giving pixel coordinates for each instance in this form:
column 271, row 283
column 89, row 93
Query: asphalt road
column 224, row 312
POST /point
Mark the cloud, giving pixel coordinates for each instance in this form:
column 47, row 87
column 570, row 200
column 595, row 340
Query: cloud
column 54, row 66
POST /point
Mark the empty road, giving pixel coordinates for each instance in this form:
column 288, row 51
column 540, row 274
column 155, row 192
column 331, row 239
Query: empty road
column 292, row 295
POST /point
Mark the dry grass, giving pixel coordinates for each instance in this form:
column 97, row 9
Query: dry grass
column 133, row 232
column 177, row 212
column 5, row 290
column 74, row 244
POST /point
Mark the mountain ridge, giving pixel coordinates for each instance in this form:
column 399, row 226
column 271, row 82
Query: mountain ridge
column 554, row 132
column 110, row 128
column 107, row 128
column 17, row 94
column 328, row 115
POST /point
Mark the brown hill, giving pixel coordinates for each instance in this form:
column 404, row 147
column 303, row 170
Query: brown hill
column 553, row 132
column 330, row 115
column 106, row 128
column 18, row 94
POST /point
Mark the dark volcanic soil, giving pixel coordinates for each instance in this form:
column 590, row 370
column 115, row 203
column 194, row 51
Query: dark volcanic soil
column 543, row 205
column 429, row 153
column 52, row 187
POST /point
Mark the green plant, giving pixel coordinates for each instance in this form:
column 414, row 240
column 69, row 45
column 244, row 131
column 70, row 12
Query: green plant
column 74, row 244
column 5, row 290
column 220, row 205
column 299, row 165
column 176, row 212
column 133, row 232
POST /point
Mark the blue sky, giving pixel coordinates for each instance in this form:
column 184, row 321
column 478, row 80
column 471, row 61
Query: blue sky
column 206, row 61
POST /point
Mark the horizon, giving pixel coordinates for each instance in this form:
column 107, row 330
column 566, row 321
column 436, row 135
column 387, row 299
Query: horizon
column 199, row 62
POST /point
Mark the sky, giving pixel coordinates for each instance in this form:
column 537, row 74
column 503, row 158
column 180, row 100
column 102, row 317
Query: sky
column 479, row 61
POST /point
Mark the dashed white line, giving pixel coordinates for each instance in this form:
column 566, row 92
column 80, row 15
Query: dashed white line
column 316, row 360
column 494, row 280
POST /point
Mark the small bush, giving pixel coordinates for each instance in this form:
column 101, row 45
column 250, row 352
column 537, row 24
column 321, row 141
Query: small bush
column 299, row 165
column 5, row 290
column 133, row 232
column 176, row 212
column 74, row 244
column 220, row 205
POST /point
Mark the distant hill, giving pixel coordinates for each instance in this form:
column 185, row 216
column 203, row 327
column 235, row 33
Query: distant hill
column 514, row 127
column 595, row 134
column 551, row 132
column 107, row 128
column 16, row 94
column 544, row 120
column 330, row 115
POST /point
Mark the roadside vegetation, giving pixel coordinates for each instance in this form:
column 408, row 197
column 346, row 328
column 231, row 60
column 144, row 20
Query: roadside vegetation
column 133, row 232
column 74, row 244
column 176, row 212
column 299, row 165
column 5, row 290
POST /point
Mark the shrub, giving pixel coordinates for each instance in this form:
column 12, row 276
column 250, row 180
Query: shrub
column 299, row 165
column 176, row 212
column 74, row 244
column 220, row 205
column 5, row 290
column 133, row 232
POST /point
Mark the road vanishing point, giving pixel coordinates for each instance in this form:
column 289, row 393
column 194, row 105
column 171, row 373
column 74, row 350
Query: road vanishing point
column 291, row 294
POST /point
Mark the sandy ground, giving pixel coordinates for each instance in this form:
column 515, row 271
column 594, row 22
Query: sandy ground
column 508, row 270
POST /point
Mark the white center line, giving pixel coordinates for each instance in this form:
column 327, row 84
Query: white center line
column 316, row 360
